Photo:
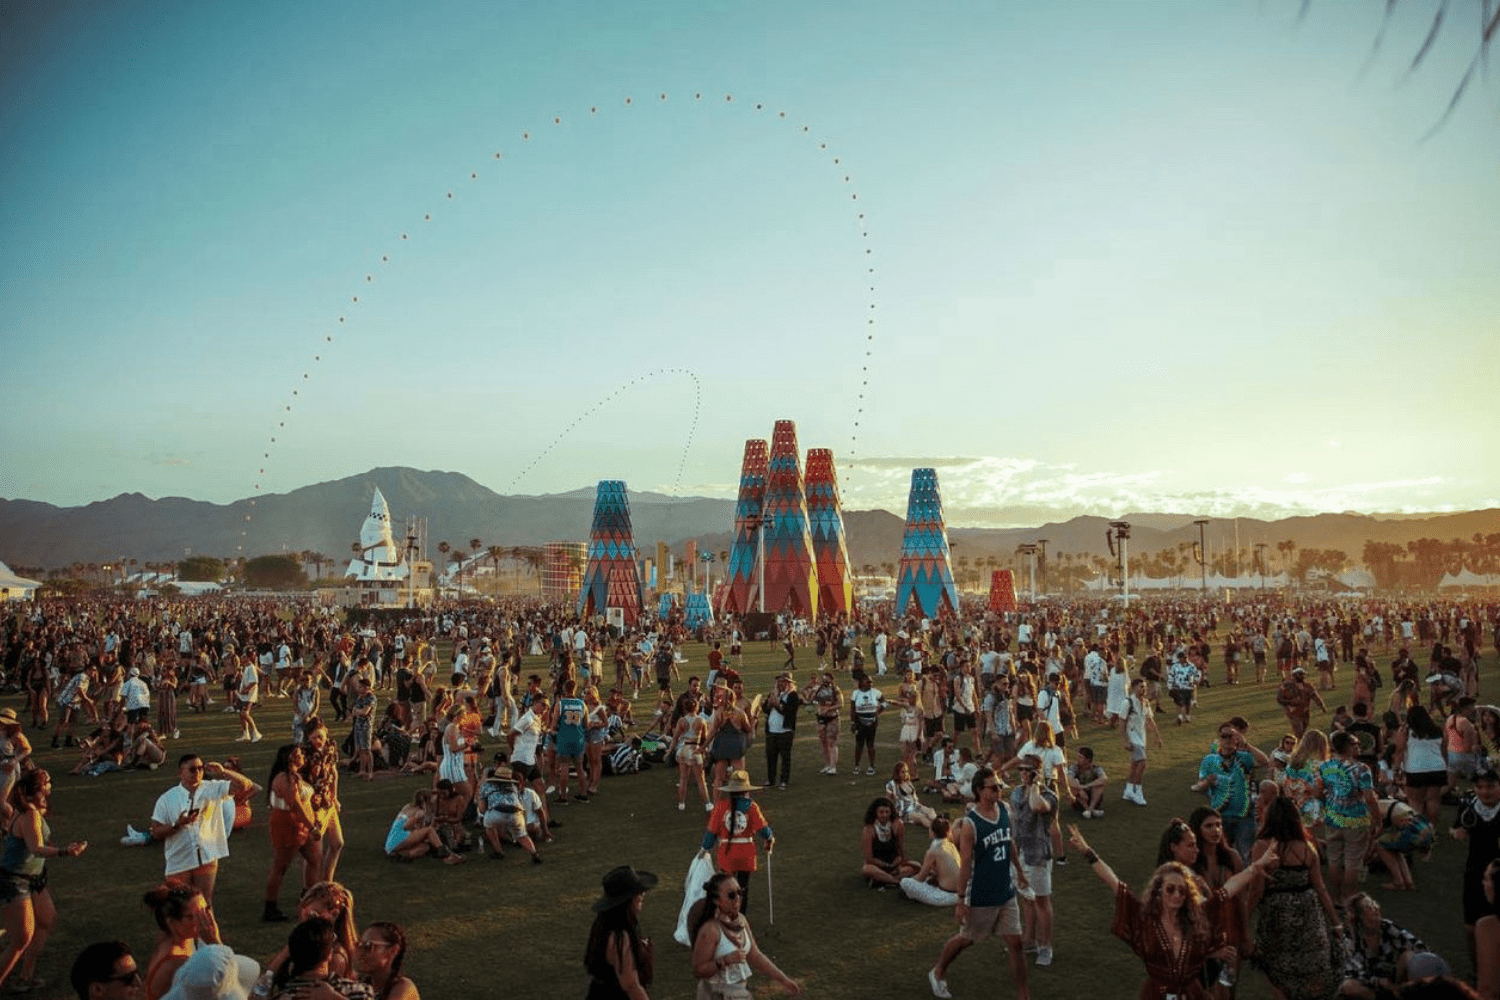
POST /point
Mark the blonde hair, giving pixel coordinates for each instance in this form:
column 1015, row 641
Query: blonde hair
column 1314, row 744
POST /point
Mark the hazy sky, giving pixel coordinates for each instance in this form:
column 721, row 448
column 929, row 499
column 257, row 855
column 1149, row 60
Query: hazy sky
column 1084, row 257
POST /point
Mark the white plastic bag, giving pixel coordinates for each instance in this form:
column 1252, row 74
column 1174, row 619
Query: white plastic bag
column 698, row 873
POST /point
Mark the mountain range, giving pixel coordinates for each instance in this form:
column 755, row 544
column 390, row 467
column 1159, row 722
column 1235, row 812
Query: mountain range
column 326, row 518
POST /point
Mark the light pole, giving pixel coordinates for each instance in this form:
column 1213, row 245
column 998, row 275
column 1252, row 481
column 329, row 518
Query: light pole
column 411, row 569
column 1119, row 531
column 1202, row 554
column 1028, row 549
column 1260, row 562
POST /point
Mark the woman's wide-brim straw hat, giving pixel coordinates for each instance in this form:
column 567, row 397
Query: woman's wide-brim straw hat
column 621, row 885
column 739, row 781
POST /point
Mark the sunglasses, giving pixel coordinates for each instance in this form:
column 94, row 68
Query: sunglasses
column 734, row 895
column 369, row 945
column 131, row 978
column 1173, row 889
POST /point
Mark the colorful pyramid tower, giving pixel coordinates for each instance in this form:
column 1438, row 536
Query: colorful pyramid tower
column 739, row 590
column 697, row 612
column 926, row 574
column 1002, row 590
column 791, row 572
column 826, row 520
column 611, row 579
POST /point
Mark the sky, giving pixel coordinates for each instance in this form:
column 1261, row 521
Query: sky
column 1081, row 257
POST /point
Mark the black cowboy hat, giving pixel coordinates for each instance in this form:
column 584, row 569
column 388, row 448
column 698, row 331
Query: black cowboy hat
column 621, row 885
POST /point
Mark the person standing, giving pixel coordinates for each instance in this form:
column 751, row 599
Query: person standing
column 1034, row 806
column 733, row 825
column 619, row 958
column 866, row 702
column 1225, row 775
column 827, row 701
column 781, row 724
column 187, row 820
column 248, row 694
column 27, row 902
column 1351, row 814
column 989, row 873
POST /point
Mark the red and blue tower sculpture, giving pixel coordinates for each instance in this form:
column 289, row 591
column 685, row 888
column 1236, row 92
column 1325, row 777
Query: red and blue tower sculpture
column 612, row 579
column 926, row 574
column 790, row 569
column 739, row 587
column 830, row 548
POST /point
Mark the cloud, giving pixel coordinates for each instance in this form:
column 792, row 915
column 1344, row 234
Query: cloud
column 1025, row 492
column 171, row 460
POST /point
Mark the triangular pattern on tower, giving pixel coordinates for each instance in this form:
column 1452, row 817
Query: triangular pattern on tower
column 737, row 591
column 926, row 573
column 790, row 568
column 825, row 515
column 1002, row 591
column 612, row 578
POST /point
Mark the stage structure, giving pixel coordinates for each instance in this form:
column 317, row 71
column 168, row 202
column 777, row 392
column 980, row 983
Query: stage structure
column 739, row 588
column 562, row 569
column 830, row 549
column 926, row 573
column 791, row 572
column 611, row 579
column 378, row 575
column 1002, row 590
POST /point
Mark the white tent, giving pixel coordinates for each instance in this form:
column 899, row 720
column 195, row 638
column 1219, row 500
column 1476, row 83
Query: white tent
column 1468, row 578
column 16, row 588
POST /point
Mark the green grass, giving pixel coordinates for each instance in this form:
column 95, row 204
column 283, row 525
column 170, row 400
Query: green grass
column 488, row 928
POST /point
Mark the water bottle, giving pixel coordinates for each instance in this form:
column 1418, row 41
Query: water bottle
column 264, row 986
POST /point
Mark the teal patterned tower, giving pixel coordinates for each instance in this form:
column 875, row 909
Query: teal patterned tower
column 739, row 588
column 612, row 579
column 926, row 574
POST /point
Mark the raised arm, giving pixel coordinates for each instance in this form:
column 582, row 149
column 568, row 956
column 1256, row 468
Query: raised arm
column 1105, row 873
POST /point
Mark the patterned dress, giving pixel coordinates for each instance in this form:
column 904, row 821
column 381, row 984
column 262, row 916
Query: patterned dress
column 1167, row 972
column 1294, row 946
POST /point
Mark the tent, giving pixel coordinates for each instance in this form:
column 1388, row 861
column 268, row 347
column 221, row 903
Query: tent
column 16, row 588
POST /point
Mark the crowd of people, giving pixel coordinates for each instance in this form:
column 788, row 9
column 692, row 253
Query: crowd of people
column 1284, row 834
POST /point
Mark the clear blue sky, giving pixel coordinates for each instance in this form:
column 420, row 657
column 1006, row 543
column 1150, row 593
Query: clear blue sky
column 1177, row 256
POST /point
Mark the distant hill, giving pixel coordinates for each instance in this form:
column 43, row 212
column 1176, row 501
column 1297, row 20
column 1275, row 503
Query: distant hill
column 326, row 518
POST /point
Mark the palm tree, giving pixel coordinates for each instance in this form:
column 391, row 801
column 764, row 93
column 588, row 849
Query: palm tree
column 495, row 552
column 444, row 548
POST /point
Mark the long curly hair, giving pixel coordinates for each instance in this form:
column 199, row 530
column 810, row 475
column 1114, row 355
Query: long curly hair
column 1313, row 746
column 1190, row 916
column 334, row 897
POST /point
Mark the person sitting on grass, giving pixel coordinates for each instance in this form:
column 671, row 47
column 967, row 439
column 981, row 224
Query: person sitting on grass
column 413, row 833
column 936, row 882
column 883, row 844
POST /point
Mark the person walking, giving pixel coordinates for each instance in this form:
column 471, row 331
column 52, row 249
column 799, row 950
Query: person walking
column 989, row 874
column 1139, row 717
column 733, row 825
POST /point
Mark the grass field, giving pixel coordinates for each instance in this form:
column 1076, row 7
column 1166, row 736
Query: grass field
column 507, row 928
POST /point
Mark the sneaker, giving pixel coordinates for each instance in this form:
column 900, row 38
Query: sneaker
column 1127, row 795
column 1140, row 798
column 1098, row 813
column 257, row 737
column 782, row 786
column 869, row 770
column 1044, row 955
column 855, row 771
column 1061, row 861
column 708, row 807
column 177, row 734
column 939, row 986
column 681, row 806
column 242, row 738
